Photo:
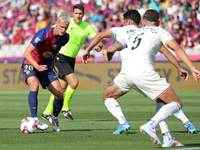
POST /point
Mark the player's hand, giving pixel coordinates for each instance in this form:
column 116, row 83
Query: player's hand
column 184, row 74
column 85, row 56
column 98, row 48
column 42, row 68
column 196, row 74
column 105, row 56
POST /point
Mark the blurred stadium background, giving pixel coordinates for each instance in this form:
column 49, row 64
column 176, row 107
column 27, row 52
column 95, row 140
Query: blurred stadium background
column 21, row 19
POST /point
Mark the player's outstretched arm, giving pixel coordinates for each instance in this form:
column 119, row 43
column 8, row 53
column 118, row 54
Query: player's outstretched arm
column 29, row 57
column 183, row 56
column 183, row 73
column 97, row 40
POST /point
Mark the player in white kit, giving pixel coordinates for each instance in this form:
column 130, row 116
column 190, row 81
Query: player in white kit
column 140, row 73
column 131, row 20
column 119, row 86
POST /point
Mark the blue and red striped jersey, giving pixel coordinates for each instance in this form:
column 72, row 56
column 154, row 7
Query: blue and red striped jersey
column 46, row 45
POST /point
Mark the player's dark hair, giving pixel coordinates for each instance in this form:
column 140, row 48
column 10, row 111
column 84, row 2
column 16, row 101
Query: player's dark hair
column 79, row 6
column 151, row 15
column 134, row 15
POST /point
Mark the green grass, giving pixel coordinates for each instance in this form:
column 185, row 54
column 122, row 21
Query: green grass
column 93, row 125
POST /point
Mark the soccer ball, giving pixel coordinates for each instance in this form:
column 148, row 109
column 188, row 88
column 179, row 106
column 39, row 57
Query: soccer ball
column 28, row 125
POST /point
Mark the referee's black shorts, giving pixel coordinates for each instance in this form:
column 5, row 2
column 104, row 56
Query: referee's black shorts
column 65, row 65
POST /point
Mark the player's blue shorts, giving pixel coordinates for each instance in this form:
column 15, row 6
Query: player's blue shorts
column 45, row 77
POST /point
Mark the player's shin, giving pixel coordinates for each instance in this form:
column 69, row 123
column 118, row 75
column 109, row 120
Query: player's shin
column 181, row 116
column 115, row 109
column 57, row 105
column 33, row 103
column 165, row 111
column 67, row 98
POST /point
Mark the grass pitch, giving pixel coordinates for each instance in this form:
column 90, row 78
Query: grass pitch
column 93, row 125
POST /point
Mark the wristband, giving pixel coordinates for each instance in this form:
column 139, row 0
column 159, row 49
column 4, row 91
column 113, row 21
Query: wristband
column 100, row 47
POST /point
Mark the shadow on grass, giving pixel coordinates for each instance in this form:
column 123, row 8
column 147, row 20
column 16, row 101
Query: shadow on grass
column 193, row 145
column 9, row 128
column 132, row 131
column 184, row 132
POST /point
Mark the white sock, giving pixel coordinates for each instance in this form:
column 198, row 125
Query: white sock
column 115, row 109
column 165, row 111
column 54, row 117
column 181, row 116
column 187, row 123
column 167, row 137
column 163, row 124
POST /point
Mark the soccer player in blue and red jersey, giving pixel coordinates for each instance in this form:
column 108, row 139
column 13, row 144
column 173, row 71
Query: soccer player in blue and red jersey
column 38, row 64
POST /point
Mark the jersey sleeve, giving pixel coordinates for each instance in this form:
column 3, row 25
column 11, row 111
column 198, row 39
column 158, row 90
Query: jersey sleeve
column 38, row 38
column 165, row 37
column 92, row 31
column 114, row 32
column 123, row 42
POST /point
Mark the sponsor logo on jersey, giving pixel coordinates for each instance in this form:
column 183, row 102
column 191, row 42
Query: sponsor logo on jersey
column 54, row 46
column 37, row 39
column 47, row 54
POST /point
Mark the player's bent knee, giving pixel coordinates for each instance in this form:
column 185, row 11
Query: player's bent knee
column 180, row 103
column 34, row 87
column 74, row 85
column 59, row 95
column 64, row 89
column 105, row 97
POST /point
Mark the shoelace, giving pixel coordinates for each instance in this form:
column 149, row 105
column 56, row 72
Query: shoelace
column 39, row 123
column 69, row 112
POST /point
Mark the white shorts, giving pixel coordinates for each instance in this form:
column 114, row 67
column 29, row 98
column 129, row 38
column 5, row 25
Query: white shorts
column 121, row 83
column 148, row 81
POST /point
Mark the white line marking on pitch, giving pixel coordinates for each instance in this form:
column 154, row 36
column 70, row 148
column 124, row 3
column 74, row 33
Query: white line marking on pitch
column 185, row 148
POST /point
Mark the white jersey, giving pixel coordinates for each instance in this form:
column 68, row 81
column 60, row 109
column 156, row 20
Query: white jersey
column 117, row 34
column 143, row 46
column 123, row 32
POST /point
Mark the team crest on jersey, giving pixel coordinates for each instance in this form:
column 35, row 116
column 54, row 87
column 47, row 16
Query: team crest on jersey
column 27, row 72
column 54, row 46
column 47, row 54
column 37, row 40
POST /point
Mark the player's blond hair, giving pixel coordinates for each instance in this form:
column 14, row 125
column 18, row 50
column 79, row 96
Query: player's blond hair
column 64, row 17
